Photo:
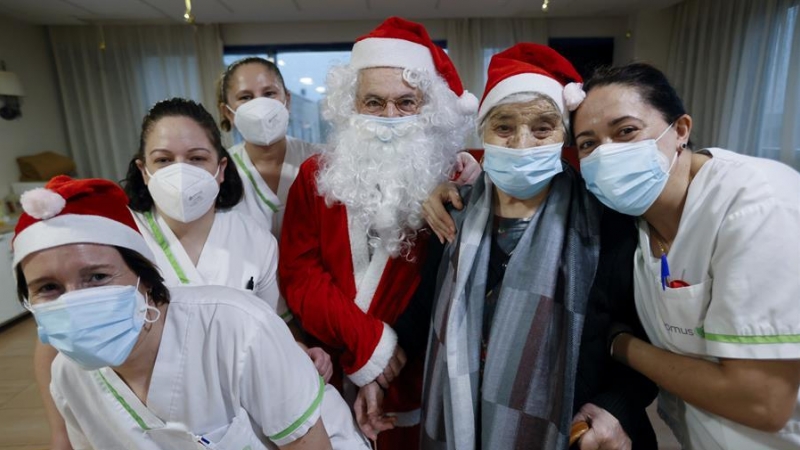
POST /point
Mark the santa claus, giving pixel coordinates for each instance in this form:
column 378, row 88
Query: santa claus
column 352, row 246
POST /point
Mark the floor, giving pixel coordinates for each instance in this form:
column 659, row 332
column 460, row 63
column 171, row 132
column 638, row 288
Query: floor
column 22, row 420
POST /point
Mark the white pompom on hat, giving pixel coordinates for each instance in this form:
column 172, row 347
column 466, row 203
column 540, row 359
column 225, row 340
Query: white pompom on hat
column 67, row 211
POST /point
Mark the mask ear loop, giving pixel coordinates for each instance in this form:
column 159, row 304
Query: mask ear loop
column 147, row 306
column 665, row 131
column 674, row 160
column 675, row 156
column 151, row 308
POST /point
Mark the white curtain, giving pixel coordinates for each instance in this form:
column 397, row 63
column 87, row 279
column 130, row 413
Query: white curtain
column 472, row 42
column 109, row 78
column 736, row 64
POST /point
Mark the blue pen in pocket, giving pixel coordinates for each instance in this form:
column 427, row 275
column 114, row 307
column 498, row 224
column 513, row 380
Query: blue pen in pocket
column 664, row 271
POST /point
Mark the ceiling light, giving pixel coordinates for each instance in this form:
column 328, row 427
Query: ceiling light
column 307, row 81
column 188, row 16
column 281, row 62
column 545, row 5
column 320, row 89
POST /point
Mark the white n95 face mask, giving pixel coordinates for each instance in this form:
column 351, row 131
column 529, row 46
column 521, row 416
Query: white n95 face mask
column 261, row 121
column 183, row 192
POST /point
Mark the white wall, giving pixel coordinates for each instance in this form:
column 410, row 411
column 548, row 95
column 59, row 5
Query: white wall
column 652, row 34
column 26, row 51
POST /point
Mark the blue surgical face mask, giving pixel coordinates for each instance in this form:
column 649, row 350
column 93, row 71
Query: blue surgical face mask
column 627, row 177
column 522, row 173
column 94, row 327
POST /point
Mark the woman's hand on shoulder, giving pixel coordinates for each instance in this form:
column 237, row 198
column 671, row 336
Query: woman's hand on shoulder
column 322, row 361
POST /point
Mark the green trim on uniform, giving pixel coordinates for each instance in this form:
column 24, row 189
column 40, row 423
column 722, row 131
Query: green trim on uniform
column 736, row 339
column 287, row 316
column 240, row 162
column 297, row 423
column 162, row 242
column 124, row 404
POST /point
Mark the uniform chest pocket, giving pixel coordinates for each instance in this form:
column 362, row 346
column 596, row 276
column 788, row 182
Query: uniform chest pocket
column 681, row 312
column 239, row 435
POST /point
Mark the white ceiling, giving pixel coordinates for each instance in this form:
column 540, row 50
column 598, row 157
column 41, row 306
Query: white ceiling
column 245, row 11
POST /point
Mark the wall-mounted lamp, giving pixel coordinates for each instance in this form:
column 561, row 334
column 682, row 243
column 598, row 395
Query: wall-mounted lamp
column 10, row 93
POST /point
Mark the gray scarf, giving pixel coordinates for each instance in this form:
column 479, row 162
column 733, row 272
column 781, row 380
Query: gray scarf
column 524, row 398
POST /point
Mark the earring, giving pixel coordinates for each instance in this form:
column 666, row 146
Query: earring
column 683, row 145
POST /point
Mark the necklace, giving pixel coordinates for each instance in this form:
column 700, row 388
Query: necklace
column 660, row 243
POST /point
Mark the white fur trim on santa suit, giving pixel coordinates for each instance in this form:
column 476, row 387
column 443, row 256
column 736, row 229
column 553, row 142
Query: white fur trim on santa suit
column 388, row 52
column 78, row 229
column 365, row 290
column 367, row 272
column 378, row 361
column 524, row 82
column 359, row 250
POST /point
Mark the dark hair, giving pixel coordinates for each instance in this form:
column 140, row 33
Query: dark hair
column 141, row 266
column 230, row 191
column 650, row 82
column 225, row 80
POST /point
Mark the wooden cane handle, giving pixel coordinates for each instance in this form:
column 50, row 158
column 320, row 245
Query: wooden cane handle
column 577, row 430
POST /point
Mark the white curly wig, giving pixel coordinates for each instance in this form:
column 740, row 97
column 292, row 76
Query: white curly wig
column 383, row 174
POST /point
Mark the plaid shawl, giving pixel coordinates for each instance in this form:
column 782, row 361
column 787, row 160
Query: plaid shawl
column 526, row 392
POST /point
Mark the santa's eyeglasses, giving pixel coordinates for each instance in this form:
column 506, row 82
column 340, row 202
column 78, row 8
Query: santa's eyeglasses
column 377, row 105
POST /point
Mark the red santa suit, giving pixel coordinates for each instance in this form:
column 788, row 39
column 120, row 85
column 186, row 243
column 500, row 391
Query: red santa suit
column 346, row 298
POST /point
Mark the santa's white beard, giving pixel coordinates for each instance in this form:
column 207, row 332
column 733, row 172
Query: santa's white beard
column 382, row 173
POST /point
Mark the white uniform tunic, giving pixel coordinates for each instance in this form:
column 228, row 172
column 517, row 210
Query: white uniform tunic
column 738, row 248
column 259, row 200
column 236, row 254
column 228, row 375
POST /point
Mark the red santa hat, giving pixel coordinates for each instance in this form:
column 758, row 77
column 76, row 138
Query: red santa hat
column 404, row 44
column 67, row 211
column 528, row 67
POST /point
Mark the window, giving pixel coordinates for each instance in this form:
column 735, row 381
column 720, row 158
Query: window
column 780, row 137
column 304, row 69
column 586, row 54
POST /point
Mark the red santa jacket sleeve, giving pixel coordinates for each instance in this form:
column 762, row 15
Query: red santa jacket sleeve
column 318, row 282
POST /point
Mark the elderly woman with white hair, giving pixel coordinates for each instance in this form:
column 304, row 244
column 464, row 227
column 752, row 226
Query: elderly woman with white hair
column 526, row 290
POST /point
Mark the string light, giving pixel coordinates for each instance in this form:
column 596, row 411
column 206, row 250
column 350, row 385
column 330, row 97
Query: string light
column 544, row 5
column 187, row 16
